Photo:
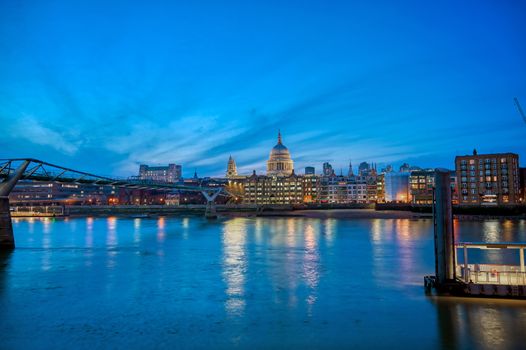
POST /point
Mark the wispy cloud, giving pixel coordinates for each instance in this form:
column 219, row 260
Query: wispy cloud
column 32, row 130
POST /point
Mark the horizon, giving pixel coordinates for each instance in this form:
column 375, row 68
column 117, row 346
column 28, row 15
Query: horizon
column 158, row 83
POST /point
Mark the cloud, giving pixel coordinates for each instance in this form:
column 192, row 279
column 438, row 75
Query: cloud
column 31, row 129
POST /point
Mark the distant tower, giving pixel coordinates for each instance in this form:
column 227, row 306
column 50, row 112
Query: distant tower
column 327, row 169
column 350, row 173
column 231, row 170
column 195, row 174
column 364, row 168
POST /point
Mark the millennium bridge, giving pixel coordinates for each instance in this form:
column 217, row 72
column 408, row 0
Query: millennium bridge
column 13, row 170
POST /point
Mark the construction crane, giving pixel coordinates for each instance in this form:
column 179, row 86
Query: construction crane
column 519, row 108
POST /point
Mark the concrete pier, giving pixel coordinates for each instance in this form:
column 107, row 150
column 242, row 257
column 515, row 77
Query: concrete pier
column 7, row 239
column 467, row 279
column 210, row 211
column 443, row 229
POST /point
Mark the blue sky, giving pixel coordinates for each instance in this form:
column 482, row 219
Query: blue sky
column 102, row 86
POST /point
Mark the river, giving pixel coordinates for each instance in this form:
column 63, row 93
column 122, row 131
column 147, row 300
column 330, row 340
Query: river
column 259, row 283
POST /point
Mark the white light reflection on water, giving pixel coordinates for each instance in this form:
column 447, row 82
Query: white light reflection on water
column 46, row 244
column 290, row 239
column 311, row 260
column 31, row 226
column 111, row 238
column 89, row 242
column 478, row 323
column 89, row 232
column 186, row 225
column 406, row 249
column 136, row 230
column 111, row 241
column 490, row 231
column 234, row 265
column 381, row 232
column 329, row 227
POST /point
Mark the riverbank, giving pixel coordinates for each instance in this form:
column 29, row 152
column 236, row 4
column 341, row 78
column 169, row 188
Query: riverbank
column 349, row 214
column 353, row 212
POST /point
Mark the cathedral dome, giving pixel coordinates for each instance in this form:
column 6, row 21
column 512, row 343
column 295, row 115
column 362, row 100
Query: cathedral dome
column 280, row 162
column 280, row 151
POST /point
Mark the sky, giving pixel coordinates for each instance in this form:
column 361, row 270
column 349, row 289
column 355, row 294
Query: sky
column 103, row 86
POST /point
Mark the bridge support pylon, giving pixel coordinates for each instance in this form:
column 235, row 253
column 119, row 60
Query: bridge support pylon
column 7, row 239
column 210, row 211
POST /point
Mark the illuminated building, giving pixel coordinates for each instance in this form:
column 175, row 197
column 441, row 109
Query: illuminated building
column 280, row 186
column 311, row 188
column 380, row 188
column 340, row 190
column 49, row 192
column 170, row 173
column 231, row 170
column 372, row 190
column 280, row 162
column 488, row 179
column 421, row 184
column 273, row 189
column 396, row 187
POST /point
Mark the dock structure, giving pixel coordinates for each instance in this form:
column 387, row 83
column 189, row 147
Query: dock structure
column 465, row 278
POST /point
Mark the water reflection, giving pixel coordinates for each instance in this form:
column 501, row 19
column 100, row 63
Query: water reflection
column 279, row 281
column 291, row 233
column 329, row 227
column 5, row 256
column 475, row 323
column 395, row 246
column 234, row 265
column 161, row 233
column 186, row 225
column 136, row 230
column 490, row 231
column 311, row 259
column 111, row 241
column 89, row 232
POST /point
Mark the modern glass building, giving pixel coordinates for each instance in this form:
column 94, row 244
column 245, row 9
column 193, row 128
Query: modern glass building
column 396, row 187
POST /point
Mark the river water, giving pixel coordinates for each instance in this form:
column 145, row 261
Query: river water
column 259, row 283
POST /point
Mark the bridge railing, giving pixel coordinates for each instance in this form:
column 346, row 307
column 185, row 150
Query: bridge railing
column 41, row 210
column 491, row 274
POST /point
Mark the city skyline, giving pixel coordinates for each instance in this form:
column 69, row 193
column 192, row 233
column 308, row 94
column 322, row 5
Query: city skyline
column 176, row 83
